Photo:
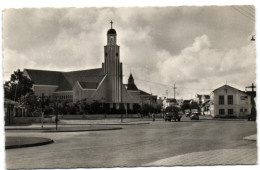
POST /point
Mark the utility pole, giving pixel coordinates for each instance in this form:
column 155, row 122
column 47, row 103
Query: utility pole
column 174, row 90
column 252, row 86
column 166, row 94
column 56, row 115
column 253, row 109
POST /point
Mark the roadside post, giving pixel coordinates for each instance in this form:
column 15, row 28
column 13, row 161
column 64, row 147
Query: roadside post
column 121, row 104
column 56, row 115
column 42, row 103
column 56, row 120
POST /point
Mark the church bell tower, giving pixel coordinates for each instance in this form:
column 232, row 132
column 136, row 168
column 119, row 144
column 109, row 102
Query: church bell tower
column 112, row 66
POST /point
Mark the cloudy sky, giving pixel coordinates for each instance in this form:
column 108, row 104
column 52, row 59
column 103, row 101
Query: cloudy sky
column 196, row 48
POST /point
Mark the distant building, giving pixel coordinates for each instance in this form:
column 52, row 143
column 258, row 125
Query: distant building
column 227, row 100
column 202, row 98
column 205, row 108
column 170, row 102
column 179, row 101
column 102, row 84
column 147, row 98
column 187, row 102
column 142, row 96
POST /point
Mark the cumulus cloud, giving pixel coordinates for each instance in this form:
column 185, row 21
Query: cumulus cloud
column 199, row 67
column 193, row 47
column 14, row 61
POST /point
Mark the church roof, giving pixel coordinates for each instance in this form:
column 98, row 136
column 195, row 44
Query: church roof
column 43, row 77
column 64, row 80
column 227, row 86
column 143, row 93
column 131, row 76
column 131, row 87
column 88, row 85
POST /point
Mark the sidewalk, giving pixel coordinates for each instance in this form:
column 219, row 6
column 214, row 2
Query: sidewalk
column 213, row 157
column 252, row 137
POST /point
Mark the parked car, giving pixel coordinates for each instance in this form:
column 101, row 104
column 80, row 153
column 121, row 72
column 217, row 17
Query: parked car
column 194, row 116
column 187, row 112
column 195, row 111
column 173, row 113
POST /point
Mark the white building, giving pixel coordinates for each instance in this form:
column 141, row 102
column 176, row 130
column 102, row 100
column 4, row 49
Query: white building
column 227, row 100
column 169, row 102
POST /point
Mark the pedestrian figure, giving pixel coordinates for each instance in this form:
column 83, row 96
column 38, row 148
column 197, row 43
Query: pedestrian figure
column 153, row 116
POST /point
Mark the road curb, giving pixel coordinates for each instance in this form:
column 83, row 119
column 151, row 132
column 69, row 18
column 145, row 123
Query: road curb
column 109, row 124
column 83, row 130
column 30, row 145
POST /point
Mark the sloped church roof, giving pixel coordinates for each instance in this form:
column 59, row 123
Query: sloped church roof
column 65, row 80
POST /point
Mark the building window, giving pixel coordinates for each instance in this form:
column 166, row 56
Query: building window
column 230, row 99
column 245, row 110
column 221, row 111
column 241, row 110
column 230, row 111
column 221, row 100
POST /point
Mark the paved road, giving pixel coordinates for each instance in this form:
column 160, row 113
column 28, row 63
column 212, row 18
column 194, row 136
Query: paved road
column 134, row 145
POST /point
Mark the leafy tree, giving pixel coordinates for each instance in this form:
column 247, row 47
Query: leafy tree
column 158, row 108
column 146, row 108
column 185, row 106
column 30, row 102
column 96, row 108
column 18, row 85
column 136, row 108
column 86, row 108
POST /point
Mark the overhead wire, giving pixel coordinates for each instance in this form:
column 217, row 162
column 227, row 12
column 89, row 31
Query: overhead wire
column 172, row 86
column 250, row 7
column 246, row 11
column 243, row 13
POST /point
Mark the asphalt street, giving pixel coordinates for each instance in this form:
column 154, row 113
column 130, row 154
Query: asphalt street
column 134, row 145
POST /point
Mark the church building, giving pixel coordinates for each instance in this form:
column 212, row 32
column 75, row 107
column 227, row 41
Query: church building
column 104, row 85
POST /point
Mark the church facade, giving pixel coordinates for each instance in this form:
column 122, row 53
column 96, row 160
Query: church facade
column 104, row 85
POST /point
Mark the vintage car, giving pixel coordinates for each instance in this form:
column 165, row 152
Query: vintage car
column 173, row 113
column 194, row 116
column 187, row 112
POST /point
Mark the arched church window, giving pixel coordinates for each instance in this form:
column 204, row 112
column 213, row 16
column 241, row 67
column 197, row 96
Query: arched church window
column 117, row 54
column 106, row 54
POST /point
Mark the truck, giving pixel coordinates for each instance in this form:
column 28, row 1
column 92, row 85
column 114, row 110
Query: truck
column 173, row 113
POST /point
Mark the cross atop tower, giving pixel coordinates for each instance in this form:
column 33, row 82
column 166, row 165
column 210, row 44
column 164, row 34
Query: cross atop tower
column 111, row 23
